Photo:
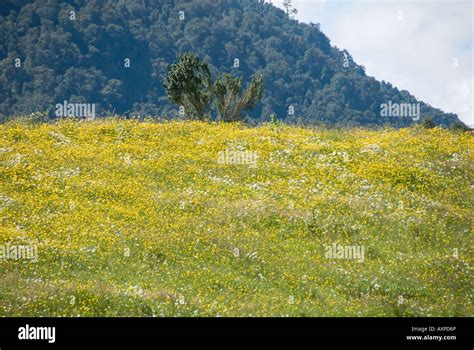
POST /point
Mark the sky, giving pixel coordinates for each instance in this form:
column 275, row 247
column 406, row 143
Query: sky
column 423, row 46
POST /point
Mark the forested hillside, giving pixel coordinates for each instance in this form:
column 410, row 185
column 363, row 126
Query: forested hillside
column 116, row 53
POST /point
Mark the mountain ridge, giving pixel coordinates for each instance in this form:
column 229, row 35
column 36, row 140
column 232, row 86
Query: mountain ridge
column 83, row 59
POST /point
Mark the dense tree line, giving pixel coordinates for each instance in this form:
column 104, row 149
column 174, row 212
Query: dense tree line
column 116, row 53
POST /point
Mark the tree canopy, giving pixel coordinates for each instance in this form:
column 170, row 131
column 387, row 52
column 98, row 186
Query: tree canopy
column 115, row 53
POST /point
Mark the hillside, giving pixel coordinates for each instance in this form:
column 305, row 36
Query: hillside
column 196, row 219
column 116, row 53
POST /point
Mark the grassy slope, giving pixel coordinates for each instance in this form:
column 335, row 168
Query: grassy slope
column 90, row 193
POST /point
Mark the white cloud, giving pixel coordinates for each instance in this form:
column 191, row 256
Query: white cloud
column 411, row 44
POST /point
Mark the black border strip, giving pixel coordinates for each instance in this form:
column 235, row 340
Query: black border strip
column 120, row 331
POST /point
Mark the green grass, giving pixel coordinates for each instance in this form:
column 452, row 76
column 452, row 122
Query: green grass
column 140, row 219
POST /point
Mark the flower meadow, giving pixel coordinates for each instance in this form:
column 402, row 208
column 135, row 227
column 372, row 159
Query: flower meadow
column 131, row 218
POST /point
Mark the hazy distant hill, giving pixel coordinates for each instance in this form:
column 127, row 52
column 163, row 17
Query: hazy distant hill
column 81, row 57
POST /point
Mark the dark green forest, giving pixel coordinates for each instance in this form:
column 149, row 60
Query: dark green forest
column 115, row 53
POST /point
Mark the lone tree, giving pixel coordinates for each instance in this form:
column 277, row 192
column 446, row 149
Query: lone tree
column 290, row 10
column 230, row 103
column 189, row 84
